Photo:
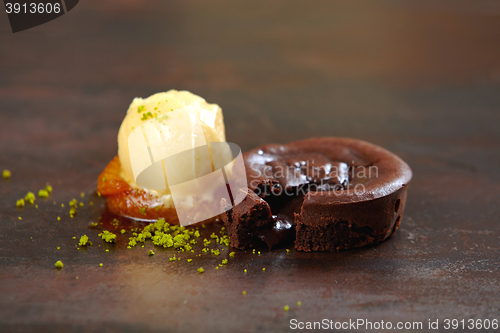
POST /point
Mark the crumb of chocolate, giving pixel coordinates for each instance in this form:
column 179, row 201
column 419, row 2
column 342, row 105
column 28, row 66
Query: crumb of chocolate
column 59, row 264
column 6, row 174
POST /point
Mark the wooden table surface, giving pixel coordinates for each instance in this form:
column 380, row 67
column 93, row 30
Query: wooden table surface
column 420, row 78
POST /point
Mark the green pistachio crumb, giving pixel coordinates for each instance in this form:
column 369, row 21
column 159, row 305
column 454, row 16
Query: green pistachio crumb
column 59, row 218
column 200, row 270
column 288, row 251
column 129, row 247
column 224, row 261
column 62, row 205
column 74, row 237
column 143, row 210
column 244, row 292
column 258, row 253
column 231, row 255
column 245, row 271
column 43, row 194
column 150, row 252
column 215, row 252
column 123, row 231
column 82, row 194
column 20, row 203
column 107, row 250
column 48, row 188
column 100, row 265
column 58, row 248
column 299, row 303
column 264, row 269
column 217, row 267
column 189, row 260
column 59, row 264
column 108, row 236
column 286, row 308
column 84, row 241
column 30, row 198
column 72, row 212
column 19, row 217
column 6, row 174
column 141, row 108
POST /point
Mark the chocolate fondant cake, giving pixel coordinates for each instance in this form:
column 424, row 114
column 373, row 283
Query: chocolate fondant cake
column 326, row 193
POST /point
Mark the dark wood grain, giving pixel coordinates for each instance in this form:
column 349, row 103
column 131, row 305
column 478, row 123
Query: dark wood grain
column 421, row 79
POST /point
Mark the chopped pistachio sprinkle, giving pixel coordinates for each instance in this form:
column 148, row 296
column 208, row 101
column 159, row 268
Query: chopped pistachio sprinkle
column 231, row 255
column 84, row 241
column 288, row 251
column 30, row 198
column 59, row 264
column 215, row 252
column 48, row 188
column 189, row 260
column 20, row 203
column 200, row 270
column 299, row 303
column 43, row 194
column 82, row 194
column 140, row 108
column 224, row 261
column 107, row 250
column 123, row 231
column 264, row 269
column 245, row 271
column 244, row 292
column 59, row 218
column 100, row 265
column 151, row 252
column 58, row 248
column 143, row 211
column 19, row 217
column 6, row 174
column 74, row 237
column 286, row 308
column 108, row 236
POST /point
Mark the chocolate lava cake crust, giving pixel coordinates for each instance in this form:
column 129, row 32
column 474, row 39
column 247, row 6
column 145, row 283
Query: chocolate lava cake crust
column 360, row 204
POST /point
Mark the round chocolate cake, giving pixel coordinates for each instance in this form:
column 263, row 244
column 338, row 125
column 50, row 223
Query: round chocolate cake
column 326, row 193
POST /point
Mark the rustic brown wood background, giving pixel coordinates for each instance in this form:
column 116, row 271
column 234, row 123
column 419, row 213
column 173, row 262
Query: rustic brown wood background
column 420, row 78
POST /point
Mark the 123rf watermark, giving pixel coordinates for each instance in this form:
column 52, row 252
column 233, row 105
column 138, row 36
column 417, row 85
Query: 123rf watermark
column 364, row 324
